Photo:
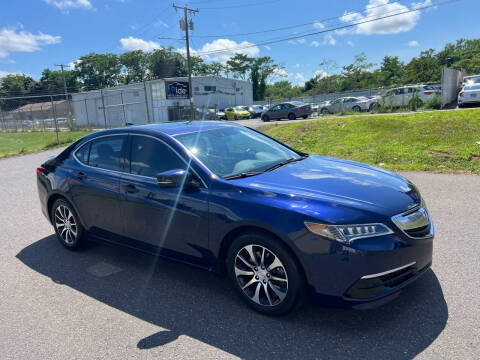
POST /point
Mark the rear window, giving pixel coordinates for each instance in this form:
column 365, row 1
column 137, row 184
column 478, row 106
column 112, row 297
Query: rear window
column 106, row 153
column 83, row 152
column 472, row 87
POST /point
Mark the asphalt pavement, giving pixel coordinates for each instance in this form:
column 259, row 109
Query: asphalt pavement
column 111, row 303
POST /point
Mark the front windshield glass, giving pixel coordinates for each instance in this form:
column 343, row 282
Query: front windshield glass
column 230, row 151
column 242, row 108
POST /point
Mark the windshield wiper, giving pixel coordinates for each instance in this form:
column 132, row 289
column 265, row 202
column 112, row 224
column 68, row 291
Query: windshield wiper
column 288, row 161
column 241, row 175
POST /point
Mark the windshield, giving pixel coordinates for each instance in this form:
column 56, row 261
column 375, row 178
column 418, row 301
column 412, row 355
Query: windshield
column 230, row 151
column 242, row 108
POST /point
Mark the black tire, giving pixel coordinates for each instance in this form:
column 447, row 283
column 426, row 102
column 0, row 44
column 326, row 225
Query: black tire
column 70, row 235
column 291, row 116
column 305, row 116
column 235, row 117
column 265, row 118
column 292, row 290
column 373, row 107
column 324, row 111
column 356, row 108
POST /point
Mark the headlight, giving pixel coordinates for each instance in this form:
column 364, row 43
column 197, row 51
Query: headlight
column 346, row 234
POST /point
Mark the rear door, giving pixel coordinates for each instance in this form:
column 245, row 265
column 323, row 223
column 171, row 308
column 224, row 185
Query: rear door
column 275, row 112
column 173, row 221
column 95, row 189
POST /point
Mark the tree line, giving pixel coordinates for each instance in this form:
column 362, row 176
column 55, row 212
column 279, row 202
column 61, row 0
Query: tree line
column 96, row 71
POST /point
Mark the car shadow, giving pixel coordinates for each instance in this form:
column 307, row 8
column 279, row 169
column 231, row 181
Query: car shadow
column 202, row 305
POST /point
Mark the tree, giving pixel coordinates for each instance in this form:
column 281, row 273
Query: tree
column 356, row 74
column 15, row 85
column 97, row 71
column 282, row 89
column 51, row 82
column 165, row 62
column 424, row 68
column 239, row 65
column 134, row 64
column 392, row 71
column 261, row 69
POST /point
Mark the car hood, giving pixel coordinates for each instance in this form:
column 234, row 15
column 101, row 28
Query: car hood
column 337, row 182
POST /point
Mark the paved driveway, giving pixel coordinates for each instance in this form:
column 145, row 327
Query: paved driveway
column 110, row 303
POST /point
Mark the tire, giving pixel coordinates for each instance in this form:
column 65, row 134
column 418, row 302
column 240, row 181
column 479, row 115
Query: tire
column 356, row 108
column 70, row 234
column 235, row 117
column 373, row 107
column 324, row 111
column 291, row 116
column 305, row 116
column 275, row 292
column 265, row 118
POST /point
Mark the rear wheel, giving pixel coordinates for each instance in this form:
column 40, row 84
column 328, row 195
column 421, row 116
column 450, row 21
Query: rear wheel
column 291, row 116
column 305, row 116
column 356, row 108
column 324, row 111
column 235, row 117
column 264, row 274
column 265, row 118
column 67, row 225
column 373, row 107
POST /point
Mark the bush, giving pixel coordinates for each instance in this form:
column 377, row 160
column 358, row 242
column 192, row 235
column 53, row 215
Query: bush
column 434, row 103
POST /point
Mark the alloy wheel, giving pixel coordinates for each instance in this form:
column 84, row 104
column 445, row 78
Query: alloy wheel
column 261, row 275
column 66, row 224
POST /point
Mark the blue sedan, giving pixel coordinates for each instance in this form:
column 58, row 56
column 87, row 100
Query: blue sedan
column 285, row 226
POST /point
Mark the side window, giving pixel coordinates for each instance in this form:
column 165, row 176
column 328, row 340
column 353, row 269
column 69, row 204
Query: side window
column 151, row 157
column 106, row 153
column 275, row 108
column 400, row 91
column 83, row 152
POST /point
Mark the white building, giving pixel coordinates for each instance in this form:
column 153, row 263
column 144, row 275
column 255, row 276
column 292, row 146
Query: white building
column 158, row 101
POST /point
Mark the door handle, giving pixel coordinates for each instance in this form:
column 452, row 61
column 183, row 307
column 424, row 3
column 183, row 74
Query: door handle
column 80, row 175
column 131, row 189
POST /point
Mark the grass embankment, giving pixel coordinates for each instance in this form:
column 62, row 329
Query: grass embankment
column 19, row 143
column 443, row 141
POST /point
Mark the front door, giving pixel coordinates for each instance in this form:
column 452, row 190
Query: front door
column 172, row 221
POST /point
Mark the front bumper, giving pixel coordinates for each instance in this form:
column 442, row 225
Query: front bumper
column 367, row 273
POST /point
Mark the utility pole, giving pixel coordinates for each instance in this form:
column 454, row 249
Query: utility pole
column 185, row 25
column 65, row 91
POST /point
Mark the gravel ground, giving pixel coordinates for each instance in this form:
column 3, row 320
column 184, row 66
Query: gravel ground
column 111, row 303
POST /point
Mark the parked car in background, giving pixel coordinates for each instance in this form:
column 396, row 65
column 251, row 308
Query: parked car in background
column 237, row 113
column 475, row 79
column 288, row 110
column 355, row 104
column 469, row 95
column 314, row 107
column 402, row 96
column 221, row 114
column 283, row 225
column 256, row 111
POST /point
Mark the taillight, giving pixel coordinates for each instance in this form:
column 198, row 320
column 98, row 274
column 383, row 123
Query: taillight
column 461, row 93
column 302, row 108
column 428, row 93
column 40, row 170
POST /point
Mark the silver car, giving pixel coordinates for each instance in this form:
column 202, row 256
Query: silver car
column 402, row 96
column 470, row 94
column 355, row 104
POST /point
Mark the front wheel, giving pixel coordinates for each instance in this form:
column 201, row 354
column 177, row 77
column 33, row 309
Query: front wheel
column 264, row 274
column 291, row 116
column 305, row 116
column 324, row 112
column 67, row 225
column 265, row 118
column 356, row 108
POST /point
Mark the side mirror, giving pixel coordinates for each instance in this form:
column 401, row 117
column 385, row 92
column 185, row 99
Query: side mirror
column 177, row 178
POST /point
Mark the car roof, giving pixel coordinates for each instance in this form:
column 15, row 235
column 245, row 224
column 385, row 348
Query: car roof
column 171, row 128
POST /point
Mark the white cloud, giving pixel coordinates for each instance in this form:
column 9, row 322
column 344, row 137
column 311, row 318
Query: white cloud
column 298, row 41
column 70, row 4
column 315, row 43
column 161, row 23
column 297, row 66
column 302, row 41
column 280, row 73
column 318, row 25
column 300, row 78
column 267, row 47
column 4, row 73
column 73, row 64
column 321, row 74
column 229, row 48
column 329, row 40
column 381, row 8
column 413, row 43
column 132, row 43
column 23, row 41
column 350, row 43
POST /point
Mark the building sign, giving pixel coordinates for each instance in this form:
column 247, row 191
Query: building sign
column 176, row 89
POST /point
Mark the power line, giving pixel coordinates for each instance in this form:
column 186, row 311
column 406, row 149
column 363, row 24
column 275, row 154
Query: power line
column 292, row 26
column 269, row 42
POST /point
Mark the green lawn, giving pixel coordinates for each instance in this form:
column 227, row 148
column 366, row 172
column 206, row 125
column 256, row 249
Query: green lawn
column 443, row 141
column 18, row 143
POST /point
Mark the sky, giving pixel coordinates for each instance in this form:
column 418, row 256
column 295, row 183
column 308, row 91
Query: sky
column 37, row 34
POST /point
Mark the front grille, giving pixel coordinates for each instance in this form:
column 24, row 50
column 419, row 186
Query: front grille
column 419, row 232
column 366, row 288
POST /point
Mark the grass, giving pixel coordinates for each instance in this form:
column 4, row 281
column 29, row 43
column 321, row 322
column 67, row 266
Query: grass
column 19, row 143
column 441, row 141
